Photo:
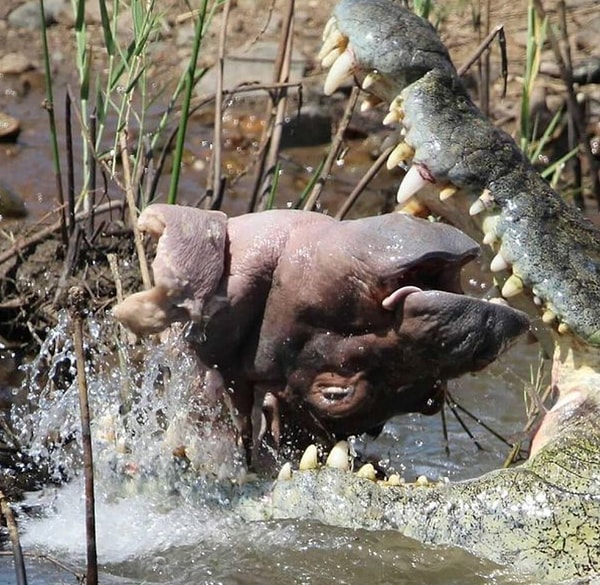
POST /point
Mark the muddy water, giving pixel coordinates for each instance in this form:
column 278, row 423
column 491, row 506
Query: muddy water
column 26, row 166
column 155, row 527
column 159, row 524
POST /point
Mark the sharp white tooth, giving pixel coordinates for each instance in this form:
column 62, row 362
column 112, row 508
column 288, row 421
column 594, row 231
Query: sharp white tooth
column 338, row 457
column 499, row 263
column 329, row 26
column 334, row 41
column 391, row 118
column 340, row 71
column 563, row 328
column 447, row 192
column 309, row 459
column 331, row 58
column 422, row 480
column 367, row 471
column 489, row 229
column 395, row 112
column 512, row 287
column 484, row 202
column 411, row 184
column 369, row 103
column 537, row 301
column 394, row 479
column 285, row 472
column 490, row 238
column 402, row 153
column 370, row 80
column 549, row 315
column 477, row 207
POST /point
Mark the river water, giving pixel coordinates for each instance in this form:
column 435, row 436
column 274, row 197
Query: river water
column 157, row 523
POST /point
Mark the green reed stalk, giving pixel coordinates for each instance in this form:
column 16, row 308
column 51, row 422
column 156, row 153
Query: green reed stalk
column 190, row 81
column 83, row 63
column 536, row 35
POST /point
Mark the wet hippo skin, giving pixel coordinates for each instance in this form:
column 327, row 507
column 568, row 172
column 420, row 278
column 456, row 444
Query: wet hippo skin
column 333, row 326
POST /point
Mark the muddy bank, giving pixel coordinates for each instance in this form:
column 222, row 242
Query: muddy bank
column 33, row 277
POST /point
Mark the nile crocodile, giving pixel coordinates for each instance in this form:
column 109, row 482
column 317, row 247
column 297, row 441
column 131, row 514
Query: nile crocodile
column 542, row 517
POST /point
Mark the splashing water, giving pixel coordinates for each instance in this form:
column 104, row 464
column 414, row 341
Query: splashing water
column 148, row 403
column 155, row 414
column 164, row 456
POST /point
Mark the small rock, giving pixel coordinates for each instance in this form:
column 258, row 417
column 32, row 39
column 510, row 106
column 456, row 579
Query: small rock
column 586, row 39
column 14, row 64
column 311, row 127
column 11, row 204
column 9, row 128
column 28, row 15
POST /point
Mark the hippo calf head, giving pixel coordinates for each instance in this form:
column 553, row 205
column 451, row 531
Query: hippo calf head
column 335, row 326
column 366, row 319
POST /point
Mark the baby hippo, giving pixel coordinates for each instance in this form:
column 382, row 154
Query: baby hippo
column 329, row 328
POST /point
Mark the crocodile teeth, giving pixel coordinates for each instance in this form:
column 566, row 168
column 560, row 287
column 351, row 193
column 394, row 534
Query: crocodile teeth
column 490, row 238
column 499, row 263
column 477, row 207
column 548, row 317
column 512, row 287
column 395, row 114
column 367, row 471
column 563, row 328
column 447, row 192
column 369, row 103
column 412, row 183
column 489, row 229
column 484, row 202
column 329, row 27
column 285, row 472
column 309, row 459
column 370, row 80
column 340, row 71
column 422, row 480
column 335, row 40
column 338, row 457
column 331, row 58
column 402, row 153
column 394, row 479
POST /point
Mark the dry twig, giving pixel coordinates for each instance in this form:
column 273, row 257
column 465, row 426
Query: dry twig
column 336, row 144
column 77, row 298
column 13, row 532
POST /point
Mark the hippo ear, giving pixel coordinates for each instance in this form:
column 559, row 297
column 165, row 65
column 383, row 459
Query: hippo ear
column 147, row 312
column 189, row 265
column 190, row 255
column 392, row 301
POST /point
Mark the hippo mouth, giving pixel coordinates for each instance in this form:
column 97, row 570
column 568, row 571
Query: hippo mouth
column 338, row 396
column 440, row 333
